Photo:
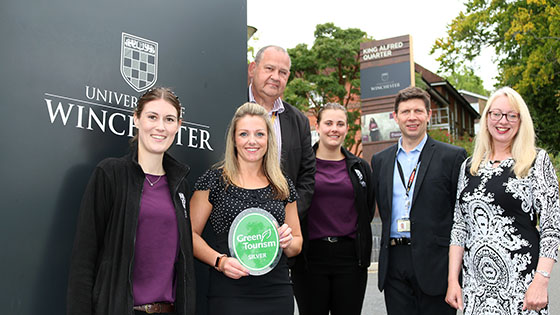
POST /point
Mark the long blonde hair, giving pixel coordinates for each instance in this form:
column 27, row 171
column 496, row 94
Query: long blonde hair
column 523, row 149
column 270, row 165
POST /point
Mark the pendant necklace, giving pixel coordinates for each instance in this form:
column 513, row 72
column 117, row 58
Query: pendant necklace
column 150, row 182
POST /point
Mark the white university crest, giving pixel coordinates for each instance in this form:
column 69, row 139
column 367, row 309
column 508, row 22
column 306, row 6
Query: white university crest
column 139, row 61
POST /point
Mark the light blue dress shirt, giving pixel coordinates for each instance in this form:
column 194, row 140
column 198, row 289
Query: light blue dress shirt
column 408, row 162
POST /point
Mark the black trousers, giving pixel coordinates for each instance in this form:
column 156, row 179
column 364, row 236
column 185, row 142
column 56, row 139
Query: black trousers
column 282, row 305
column 333, row 281
column 402, row 291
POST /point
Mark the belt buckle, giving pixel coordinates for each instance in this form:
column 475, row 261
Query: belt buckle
column 332, row 239
column 156, row 308
column 399, row 241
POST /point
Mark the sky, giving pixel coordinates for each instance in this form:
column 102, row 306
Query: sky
column 289, row 22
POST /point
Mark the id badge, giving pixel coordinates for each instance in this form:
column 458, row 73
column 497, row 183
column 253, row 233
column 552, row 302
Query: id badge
column 403, row 225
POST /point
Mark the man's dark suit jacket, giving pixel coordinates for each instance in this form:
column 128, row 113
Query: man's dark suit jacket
column 297, row 157
column 431, row 214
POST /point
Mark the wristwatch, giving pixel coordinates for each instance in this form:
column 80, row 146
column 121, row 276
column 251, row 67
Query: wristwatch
column 217, row 264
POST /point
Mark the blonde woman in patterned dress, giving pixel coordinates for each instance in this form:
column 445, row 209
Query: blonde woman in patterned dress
column 506, row 227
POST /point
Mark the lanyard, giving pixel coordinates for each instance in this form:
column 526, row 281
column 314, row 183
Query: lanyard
column 412, row 175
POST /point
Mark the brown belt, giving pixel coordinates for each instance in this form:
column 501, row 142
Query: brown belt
column 156, row 308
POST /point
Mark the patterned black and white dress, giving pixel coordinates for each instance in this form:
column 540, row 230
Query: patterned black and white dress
column 496, row 218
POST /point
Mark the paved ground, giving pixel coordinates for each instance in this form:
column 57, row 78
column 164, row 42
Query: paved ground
column 375, row 305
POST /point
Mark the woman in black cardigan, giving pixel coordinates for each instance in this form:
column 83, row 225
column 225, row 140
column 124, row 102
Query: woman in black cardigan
column 133, row 248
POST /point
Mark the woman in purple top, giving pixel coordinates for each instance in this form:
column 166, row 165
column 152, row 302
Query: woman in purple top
column 133, row 248
column 337, row 233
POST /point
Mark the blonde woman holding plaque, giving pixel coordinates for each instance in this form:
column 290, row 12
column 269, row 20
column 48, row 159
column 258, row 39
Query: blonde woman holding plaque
column 248, row 177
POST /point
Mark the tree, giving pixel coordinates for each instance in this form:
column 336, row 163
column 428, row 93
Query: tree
column 328, row 72
column 526, row 37
column 251, row 48
column 465, row 79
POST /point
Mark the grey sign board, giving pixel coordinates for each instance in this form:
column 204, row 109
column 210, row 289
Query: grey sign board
column 384, row 80
column 72, row 72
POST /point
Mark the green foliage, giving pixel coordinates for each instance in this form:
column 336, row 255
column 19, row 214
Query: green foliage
column 526, row 37
column 419, row 82
column 441, row 134
column 465, row 141
column 555, row 158
column 465, row 79
column 327, row 72
column 250, row 54
column 251, row 43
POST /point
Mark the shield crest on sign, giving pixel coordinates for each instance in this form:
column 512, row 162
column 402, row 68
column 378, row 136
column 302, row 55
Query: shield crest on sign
column 139, row 62
column 385, row 76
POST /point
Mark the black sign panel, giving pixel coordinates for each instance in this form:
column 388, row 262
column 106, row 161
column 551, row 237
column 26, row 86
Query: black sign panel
column 71, row 73
column 384, row 80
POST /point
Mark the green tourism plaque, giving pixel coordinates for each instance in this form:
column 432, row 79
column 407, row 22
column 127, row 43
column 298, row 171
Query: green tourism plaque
column 254, row 241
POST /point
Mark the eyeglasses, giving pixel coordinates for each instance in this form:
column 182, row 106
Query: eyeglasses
column 497, row 116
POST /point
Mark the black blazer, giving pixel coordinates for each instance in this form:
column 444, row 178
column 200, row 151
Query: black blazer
column 297, row 157
column 431, row 214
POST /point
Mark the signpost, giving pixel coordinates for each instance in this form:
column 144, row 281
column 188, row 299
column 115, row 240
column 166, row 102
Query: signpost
column 386, row 67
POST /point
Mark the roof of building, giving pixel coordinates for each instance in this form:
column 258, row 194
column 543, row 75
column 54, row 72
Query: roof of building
column 469, row 93
column 433, row 80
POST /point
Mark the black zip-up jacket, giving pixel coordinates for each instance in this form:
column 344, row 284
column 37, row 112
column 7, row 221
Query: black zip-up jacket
column 362, row 182
column 100, row 277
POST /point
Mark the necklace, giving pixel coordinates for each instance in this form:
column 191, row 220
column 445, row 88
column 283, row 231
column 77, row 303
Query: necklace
column 150, row 182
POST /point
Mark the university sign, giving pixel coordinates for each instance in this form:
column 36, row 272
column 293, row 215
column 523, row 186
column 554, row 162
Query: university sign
column 386, row 67
column 381, row 51
column 384, row 80
column 72, row 75
column 112, row 112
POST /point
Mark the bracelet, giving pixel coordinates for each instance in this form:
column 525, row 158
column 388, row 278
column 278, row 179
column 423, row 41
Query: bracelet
column 218, row 259
column 543, row 273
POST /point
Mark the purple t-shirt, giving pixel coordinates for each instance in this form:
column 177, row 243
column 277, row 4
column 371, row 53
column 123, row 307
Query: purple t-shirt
column 157, row 241
column 332, row 211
